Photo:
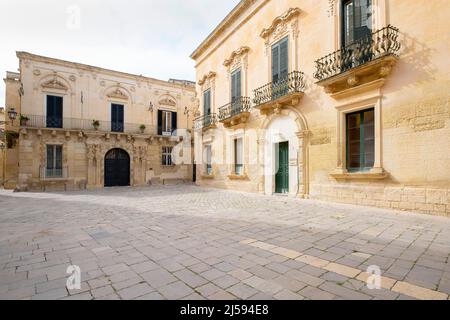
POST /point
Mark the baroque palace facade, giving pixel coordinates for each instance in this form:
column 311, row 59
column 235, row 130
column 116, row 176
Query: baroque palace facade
column 80, row 126
column 340, row 100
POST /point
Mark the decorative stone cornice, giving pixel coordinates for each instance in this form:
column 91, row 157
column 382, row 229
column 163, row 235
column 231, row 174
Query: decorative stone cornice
column 207, row 77
column 83, row 68
column 234, row 15
column 236, row 54
column 279, row 21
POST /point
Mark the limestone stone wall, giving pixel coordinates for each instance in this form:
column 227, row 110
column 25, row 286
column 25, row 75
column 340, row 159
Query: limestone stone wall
column 88, row 93
column 413, row 140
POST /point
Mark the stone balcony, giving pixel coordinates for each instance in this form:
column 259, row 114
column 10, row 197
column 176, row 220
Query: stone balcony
column 235, row 113
column 361, row 65
column 206, row 122
column 272, row 97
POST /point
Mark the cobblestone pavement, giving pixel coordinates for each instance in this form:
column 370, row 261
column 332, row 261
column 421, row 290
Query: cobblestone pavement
column 185, row 242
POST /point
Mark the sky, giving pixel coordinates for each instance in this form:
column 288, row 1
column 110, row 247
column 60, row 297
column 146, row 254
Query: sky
column 150, row 37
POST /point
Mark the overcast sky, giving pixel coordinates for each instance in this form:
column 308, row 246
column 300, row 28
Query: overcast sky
column 149, row 37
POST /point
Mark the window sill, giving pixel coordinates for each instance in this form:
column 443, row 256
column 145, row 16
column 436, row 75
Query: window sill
column 207, row 176
column 238, row 177
column 374, row 174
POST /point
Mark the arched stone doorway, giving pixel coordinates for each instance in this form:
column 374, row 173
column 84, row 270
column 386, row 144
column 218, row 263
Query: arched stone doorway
column 284, row 153
column 117, row 168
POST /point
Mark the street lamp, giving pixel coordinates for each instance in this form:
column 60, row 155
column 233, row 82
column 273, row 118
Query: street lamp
column 12, row 114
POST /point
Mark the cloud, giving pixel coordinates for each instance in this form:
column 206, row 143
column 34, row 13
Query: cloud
column 153, row 38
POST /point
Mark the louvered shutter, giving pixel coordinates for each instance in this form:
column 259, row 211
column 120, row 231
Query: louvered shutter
column 160, row 119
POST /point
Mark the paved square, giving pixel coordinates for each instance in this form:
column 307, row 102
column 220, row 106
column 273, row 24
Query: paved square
column 186, row 242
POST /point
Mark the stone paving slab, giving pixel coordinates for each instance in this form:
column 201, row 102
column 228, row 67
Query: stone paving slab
column 187, row 242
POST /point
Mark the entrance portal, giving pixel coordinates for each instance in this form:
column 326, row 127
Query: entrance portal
column 117, row 168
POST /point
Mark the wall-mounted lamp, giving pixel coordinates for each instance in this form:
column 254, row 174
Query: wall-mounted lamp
column 12, row 114
column 150, row 107
column 186, row 111
column 2, row 146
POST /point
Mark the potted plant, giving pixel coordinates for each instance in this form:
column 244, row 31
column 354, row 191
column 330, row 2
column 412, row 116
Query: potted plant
column 142, row 128
column 95, row 124
column 23, row 120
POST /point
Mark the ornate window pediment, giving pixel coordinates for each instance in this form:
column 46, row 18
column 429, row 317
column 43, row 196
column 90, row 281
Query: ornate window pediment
column 282, row 25
column 207, row 78
column 237, row 58
column 168, row 101
column 55, row 84
column 117, row 94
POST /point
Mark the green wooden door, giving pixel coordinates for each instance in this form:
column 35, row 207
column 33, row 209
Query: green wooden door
column 282, row 176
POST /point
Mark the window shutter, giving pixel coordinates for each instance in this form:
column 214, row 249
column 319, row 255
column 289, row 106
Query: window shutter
column 50, row 106
column 238, row 84
column 160, row 118
column 59, row 107
column 284, row 57
column 275, row 63
column 174, row 122
column 49, row 157
column 233, row 86
column 207, row 102
column 58, row 160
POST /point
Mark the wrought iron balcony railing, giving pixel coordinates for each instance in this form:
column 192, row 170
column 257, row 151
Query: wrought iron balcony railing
column 205, row 121
column 35, row 121
column 292, row 83
column 376, row 45
column 238, row 106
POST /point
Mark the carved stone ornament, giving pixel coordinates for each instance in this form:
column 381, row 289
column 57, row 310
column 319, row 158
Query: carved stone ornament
column 167, row 101
column 55, row 83
column 207, row 77
column 280, row 24
column 236, row 56
column 118, row 94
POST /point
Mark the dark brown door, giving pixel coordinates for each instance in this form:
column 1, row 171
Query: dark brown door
column 117, row 168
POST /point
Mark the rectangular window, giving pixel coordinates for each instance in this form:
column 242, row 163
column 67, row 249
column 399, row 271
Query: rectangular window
column 54, row 112
column 207, row 102
column 117, row 118
column 208, row 160
column 238, row 157
column 357, row 20
column 54, row 162
column 360, row 140
column 167, row 156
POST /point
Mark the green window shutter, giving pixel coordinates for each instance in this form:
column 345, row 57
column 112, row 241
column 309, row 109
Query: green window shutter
column 236, row 85
column 284, row 57
column 275, row 63
column 280, row 59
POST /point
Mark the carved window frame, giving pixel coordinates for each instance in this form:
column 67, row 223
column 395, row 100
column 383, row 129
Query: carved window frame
column 286, row 25
column 343, row 110
column 230, row 154
column 238, row 60
column 208, row 81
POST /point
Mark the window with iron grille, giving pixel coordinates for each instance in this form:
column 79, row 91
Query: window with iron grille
column 167, row 156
